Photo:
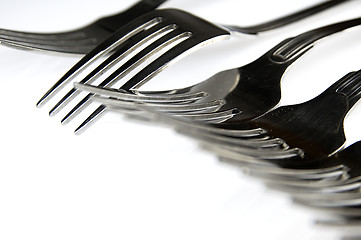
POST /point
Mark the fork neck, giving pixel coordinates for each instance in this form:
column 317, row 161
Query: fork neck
column 291, row 49
column 348, row 86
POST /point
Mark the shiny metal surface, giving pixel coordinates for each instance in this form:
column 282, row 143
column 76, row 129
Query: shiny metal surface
column 122, row 176
column 239, row 94
column 168, row 28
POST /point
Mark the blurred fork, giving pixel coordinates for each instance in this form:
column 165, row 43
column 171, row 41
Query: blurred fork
column 288, row 136
column 346, row 159
column 328, row 175
column 312, row 132
column 238, row 94
column 333, row 194
column 163, row 27
column 79, row 41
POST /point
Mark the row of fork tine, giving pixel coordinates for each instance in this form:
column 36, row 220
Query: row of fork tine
column 310, row 165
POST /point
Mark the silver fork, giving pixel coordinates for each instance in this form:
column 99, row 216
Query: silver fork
column 331, row 179
column 339, row 193
column 79, row 41
column 312, row 133
column 341, row 196
column 238, row 94
column 163, row 28
column 291, row 137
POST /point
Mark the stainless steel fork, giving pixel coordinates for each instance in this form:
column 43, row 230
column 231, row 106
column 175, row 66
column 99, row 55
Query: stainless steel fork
column 288, row 136
column 79, row 41
column 312, row 134
column 339, row 196
column 238, row 94
column 336, row 177
column 341, row 192
column 159, row 29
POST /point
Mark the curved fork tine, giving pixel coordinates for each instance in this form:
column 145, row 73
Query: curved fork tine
column 330, row 198
column 181, row 104
column 356, row 201
column 173, row 96
column 251, row 155
column 300, row 174
column 180, row 123
column 311, row 190
column 174, row 109
column 279, row 171
column 263, row 143
column 320, row 179
column 295, row 177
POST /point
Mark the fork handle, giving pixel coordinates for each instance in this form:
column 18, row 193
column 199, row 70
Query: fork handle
column 292, row 48
column 283, row 21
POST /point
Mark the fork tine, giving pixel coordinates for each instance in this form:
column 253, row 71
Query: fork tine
column 90, row 119
column 213, row 117
column 260, row 142
column 145, row 97
column 276, row 170
column 251, row 155
column 313, row 190
column 174, row 108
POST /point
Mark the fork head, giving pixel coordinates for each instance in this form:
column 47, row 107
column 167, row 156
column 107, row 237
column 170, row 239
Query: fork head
column 169, row 32
column 79, row 41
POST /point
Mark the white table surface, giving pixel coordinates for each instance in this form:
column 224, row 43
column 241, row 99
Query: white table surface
column 123, row 179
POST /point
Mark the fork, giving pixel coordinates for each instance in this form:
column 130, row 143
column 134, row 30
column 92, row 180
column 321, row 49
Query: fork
column 239, row 94
column 340, row 196
column 312, row 133
column 184, row 30
column 288, row 136
column 79, row 41
column 335, row 192
column 336, row 177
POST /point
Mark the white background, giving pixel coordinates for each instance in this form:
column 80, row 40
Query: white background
column 123, row 179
